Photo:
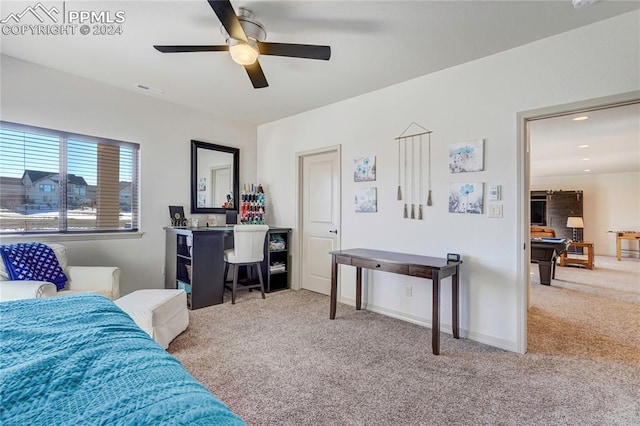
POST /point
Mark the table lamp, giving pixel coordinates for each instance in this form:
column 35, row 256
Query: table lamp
column 575, row 222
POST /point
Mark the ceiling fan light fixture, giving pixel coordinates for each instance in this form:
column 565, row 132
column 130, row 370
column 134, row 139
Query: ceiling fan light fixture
column 243, row 53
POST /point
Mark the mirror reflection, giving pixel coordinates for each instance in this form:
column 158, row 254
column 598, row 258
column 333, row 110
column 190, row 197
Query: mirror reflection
column 214, row 177
column 215, row 185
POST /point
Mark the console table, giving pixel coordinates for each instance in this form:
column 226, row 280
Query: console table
column 626, row 235
column 588, row 262
column 432, row 268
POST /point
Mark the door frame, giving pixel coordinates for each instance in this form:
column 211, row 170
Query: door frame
column 297, row 284
column 213, row 174
column 523, row 189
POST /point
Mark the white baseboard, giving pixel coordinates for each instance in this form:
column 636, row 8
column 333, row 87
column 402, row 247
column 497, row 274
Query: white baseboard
column 445, row 327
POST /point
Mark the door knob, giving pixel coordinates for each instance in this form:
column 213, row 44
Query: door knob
column 335, row 231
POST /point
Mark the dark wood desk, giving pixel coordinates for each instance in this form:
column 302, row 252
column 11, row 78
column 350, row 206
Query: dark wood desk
column 202, row 250
column 194, row 260
column 432, row 268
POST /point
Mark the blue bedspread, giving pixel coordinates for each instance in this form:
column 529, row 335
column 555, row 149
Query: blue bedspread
column 80, row 360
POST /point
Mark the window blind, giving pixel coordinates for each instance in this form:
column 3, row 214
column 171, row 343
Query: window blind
column 54, row 181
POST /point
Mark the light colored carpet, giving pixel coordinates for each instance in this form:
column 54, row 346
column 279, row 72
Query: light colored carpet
column 592, row 314
column 281, row 361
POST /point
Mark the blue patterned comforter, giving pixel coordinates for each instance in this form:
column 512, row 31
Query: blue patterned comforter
column 80, row 360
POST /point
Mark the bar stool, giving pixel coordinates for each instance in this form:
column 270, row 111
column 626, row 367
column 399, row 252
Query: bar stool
column 248, row 250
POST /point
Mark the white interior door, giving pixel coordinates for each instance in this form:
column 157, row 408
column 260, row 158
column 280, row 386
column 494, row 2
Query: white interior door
column 220, row 185
column 320, row 218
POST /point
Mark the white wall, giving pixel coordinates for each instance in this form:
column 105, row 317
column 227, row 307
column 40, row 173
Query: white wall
column 479, row 99
column 43, row 97
column 611, row 203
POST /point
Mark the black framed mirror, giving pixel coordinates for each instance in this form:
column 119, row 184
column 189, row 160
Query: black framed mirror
column 215, row 178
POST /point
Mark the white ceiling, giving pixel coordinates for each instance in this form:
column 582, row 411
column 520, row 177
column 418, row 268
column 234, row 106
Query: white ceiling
column 374, row 44
column 612, row 135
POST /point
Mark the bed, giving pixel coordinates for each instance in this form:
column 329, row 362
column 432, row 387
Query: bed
column 81, row 360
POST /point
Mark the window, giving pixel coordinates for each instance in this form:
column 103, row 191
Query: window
column 53, row 181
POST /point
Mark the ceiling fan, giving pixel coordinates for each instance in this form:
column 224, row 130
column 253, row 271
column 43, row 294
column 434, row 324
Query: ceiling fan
column 245, row 42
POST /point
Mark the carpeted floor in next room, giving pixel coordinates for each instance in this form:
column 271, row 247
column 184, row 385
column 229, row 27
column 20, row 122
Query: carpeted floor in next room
column 281, row 361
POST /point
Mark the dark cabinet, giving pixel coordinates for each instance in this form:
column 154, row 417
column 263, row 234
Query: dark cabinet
column 194, row 261
column 558, row 206
column 276, row 265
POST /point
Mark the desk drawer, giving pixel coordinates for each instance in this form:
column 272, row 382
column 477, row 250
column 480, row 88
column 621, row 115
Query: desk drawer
column 421, row 271
column 343, row 260
column 380, row 266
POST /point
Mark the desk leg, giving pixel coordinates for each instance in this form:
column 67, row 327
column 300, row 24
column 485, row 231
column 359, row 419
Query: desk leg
column 454, row 306
column 435, row 315
column 334, row 287
column 619, row 248
column 358, row 288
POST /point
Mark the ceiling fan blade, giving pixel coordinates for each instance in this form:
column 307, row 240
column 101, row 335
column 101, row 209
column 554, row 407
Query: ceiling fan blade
column 228, row 18
column 179, row 49
column 308, row 51
column 256, row 75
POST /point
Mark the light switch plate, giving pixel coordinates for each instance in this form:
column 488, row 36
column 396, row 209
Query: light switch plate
column 495, row 210
column 495, row 192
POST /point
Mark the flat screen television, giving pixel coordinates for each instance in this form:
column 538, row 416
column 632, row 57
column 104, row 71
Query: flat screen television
column 539, row 212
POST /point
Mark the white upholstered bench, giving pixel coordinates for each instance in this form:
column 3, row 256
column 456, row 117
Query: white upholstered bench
column 161, row 313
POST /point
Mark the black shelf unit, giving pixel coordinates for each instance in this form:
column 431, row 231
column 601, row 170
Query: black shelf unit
column 277, row 279
column 183, row 265
column 194, row 261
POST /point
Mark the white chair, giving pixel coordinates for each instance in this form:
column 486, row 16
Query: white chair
column 103, row 280
column 248, row 250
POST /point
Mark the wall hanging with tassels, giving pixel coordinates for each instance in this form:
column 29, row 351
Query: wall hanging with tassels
column 408, row 169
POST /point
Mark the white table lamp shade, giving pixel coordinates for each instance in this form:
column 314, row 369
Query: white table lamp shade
column 575, row 222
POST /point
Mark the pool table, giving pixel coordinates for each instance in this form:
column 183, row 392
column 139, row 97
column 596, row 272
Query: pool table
column 544, row 252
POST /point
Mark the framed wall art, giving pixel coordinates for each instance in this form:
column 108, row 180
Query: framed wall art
column 364, row 169
column 367, row 200
column 176, row 213
column 466, row 156
column 466, row 198
column 202, row 199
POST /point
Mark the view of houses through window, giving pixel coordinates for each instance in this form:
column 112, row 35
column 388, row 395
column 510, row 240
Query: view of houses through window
column 52, row 181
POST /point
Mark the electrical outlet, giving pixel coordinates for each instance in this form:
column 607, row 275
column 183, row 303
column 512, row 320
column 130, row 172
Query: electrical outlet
column 408, row 290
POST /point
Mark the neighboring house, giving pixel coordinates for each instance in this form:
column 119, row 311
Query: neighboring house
column 41, row 189
column 125, row 196
column 11, row 192
column 92, row 195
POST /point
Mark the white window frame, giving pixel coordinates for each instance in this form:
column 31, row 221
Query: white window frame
column 73, row 234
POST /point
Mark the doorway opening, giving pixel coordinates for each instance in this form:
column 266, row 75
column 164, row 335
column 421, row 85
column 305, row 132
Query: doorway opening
column 526, row 121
